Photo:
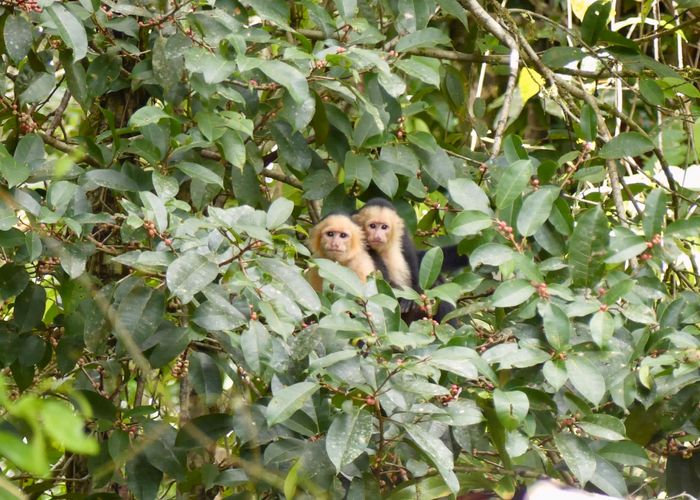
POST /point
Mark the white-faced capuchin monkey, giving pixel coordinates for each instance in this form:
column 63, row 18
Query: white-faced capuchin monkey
column 393, row 251
column 338, row 238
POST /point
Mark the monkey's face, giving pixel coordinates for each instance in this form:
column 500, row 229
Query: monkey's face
column 378, row 233
column 335, row 243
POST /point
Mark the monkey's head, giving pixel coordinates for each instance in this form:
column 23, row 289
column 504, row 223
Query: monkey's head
column 383, row 227
column 337, row 238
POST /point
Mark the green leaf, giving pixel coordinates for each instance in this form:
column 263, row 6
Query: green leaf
column 340, row 276
column 603, row 426
column 205, row 377
column 29, row 307
column 27, row 456
column 468, row 195
column 587, row 245
column 142, row 478
column 555, row 373
column 348, row 437
column 617, row 291
column 602, row 328
column 586, row 378
column 424, row 69
column 654, row 213
column 190, row 274
column 428, row 37
column 453, row 8
column 291, row 480
column 200, row 172
column 17, row 35
column 288, row 400
column 589, row 123
column 39, row 88
column 358, row 170
column 385, row 178
column 276, row 11
column 512, row 293
column 651, row 91
column 256, row 345
column 111, row 179
column 626, row 144
column 157, row 207
column 594, row 21
column 430, row 267
column 288, row 76
column 536, row 209
column 14, row 173
column 559, row 57
column 511, row 407
column 71, row 30
column 490, row 254
column 436, row 451
column 213, row 66
column 13, row 280
column 609, row 479
column 557, row 327
column 627, row 248
column 138, row 315
column 67, row 428
column 295, row 283
column 147, row 115
column 217, row 314
column 625, row 453
column 684, row 228
column 512, row 182
column 204, row 430
column 455, row 359
column 469, row 222
column 577, row 456
column 280, row 210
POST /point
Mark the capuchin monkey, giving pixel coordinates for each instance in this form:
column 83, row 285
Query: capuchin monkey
column 395, row 254
column 339, row 239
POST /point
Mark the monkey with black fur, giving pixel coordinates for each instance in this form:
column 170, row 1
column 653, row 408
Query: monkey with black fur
column 395, row 254
column 340, row 239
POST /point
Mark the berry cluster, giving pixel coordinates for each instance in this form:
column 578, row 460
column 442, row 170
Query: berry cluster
column 455, row 391
column 504, row 228
column 656, row 240
column 25, row 121
column 153, row 232
column 542, row 290
column 25, row 5
column 47, row 265
column 181, row 366
column 27, row 125
column 55, row 334
column 157, row 21
column 107, row 12
column 401, row 132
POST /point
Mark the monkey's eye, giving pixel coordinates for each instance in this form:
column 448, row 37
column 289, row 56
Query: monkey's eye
column 373, row 226
column 330, row 234
column 344, row 235
column 385, row 227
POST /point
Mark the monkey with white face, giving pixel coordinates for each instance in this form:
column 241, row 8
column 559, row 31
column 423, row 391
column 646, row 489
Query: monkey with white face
column 339, row 239
column 395, row 254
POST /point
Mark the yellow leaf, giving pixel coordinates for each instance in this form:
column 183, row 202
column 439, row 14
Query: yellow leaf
column 530, row 82
column 579, row 8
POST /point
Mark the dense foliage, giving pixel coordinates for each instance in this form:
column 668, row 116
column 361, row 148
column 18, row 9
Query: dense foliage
column 162, row 162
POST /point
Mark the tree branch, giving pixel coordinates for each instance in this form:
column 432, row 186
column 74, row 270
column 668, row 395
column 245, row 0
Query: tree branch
column 69, row 149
